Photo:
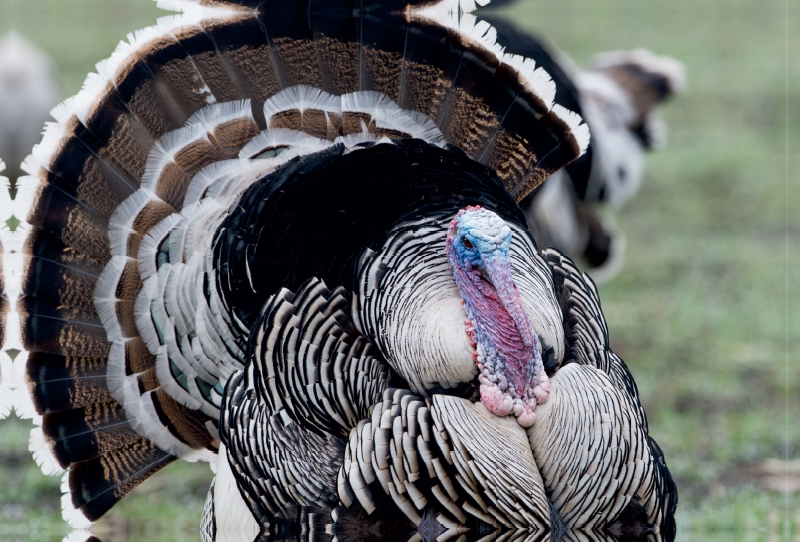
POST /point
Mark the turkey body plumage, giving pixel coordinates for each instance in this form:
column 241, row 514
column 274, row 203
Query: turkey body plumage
column 285, row 239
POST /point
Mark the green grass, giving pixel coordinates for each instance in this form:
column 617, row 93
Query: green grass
column 699, row 311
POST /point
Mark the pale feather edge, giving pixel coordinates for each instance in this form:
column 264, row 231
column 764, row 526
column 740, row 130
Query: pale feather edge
column 81, row 103
column 539, row 81
column 142, row 416
column 196, row 128
column 388, row 114
column 301, row 97
column 41, row 452
column 120, row 225
column 78, row 535
column 105, row 296
column 149, row 246
column 578, row 128
column 73, row 516
column 277, row 137
column 139, row 411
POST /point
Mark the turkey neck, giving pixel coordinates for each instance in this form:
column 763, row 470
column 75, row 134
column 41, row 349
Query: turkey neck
column 497, row 325
column 512, row 379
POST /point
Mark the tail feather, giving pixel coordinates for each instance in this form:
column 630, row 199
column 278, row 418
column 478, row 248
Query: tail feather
column 62, row 216
column 186, row 425
column 58, row 276
column 93, row 487
column 206, row 59
column 81, row 434
column 80, row 167
column 62, row 331
column 59, row 383
column 124, row 137
column 145, row 98
column 180, row 78
column 244, row 49
column 293, row 49
column 429, row 68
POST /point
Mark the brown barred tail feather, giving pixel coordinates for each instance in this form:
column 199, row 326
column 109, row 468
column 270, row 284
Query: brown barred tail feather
column 96, row 485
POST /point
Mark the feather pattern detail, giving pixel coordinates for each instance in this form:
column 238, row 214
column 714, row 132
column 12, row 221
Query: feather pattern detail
column 221, row 229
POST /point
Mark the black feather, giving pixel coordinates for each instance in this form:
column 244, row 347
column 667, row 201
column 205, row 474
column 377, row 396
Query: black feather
column 286, row 237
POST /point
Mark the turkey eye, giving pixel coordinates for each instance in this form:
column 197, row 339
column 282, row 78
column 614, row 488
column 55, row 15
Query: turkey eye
column 467, row 243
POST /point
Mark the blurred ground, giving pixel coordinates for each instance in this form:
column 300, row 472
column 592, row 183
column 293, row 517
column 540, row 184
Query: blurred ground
column 699, row 312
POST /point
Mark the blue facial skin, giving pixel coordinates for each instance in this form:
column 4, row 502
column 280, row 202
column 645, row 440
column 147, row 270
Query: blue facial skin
column 489, row 236
column 506, row 351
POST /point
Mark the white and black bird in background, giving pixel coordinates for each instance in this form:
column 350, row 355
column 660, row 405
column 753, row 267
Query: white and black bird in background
column 617, row 94
column 284, row 238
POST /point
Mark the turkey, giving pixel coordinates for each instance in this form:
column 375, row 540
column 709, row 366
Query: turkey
column 435, row 457
column 617, row 94
column 265, row 234
column 29, row 91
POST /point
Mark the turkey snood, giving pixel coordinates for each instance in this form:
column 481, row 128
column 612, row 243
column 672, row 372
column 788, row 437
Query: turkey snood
column 506, row 349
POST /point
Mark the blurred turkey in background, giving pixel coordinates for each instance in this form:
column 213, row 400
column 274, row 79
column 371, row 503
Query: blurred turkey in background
column 28, row 92
column 618, row 94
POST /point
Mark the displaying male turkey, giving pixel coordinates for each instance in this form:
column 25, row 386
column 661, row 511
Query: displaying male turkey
column 270, row 230
column 617, row 94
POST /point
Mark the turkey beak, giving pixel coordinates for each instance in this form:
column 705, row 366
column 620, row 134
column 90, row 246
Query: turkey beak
column 497, row 271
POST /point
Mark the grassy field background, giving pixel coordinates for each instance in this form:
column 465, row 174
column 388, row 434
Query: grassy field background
column 699, row 312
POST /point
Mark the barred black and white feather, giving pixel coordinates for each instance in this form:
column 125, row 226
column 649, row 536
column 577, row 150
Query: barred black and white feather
column 447, row 455
column 595, row 390
column 311, row 362
column 585, row 329
column 604, row 475
column 311, row 378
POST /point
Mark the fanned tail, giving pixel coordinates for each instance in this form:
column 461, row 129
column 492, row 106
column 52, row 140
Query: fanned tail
column 128, row 342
